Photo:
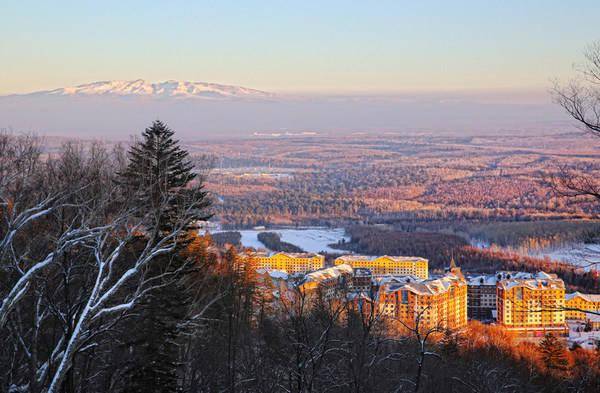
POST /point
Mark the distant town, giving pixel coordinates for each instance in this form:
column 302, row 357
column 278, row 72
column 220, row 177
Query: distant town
column 530, row 305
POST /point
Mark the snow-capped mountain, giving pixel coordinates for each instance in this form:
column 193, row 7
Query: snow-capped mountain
column 171, row 88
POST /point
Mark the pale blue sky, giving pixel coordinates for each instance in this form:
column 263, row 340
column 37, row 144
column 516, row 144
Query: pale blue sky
column 289, row 46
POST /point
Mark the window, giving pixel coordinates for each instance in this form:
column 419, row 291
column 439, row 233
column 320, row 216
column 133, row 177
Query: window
column 405, row 297
column 519, row 293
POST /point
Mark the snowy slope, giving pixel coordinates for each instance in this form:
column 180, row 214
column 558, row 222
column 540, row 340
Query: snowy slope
column 171, row 88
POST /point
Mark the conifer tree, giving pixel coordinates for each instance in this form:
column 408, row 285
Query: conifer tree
column 553, row 353
column 159, row 178
column 450, row 343
column 155, row 342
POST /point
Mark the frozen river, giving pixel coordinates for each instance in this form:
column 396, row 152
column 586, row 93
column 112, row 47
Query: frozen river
column 314, row 239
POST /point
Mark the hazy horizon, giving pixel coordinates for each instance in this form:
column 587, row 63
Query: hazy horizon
column 334, row 68
column 116, row 117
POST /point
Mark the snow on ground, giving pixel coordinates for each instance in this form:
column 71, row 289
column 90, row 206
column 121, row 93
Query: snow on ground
column 584, row 255
column 587, row 340
column 315, row 239
column 250, row 239
column 580, row 254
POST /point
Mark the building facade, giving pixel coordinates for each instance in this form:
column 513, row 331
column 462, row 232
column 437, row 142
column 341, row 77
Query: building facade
column 577, row 303
column 481, row 293
column 532, row 306
column 290, row 263
column 388, row 265
column 330, row 283
column 362, row 280
column 439, row 303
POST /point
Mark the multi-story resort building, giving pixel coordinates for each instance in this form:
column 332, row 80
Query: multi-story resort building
column 577, row 303
column 532, row 305
column 439, row 303
column 388, row 265
column 330, row 283
column 481, row 293
column 362, row 280
column 273, row 287
column 290, row 263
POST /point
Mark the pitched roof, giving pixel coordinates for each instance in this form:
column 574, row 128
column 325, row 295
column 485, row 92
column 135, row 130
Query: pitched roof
column 426, row 287
column 298, row 254
column 277, row 274
column 328, row 273
column 588, row 297
column 492, row 279
column 540, row 281
column 351, row 258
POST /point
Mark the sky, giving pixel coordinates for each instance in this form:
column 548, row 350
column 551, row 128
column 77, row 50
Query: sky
column 297, row 46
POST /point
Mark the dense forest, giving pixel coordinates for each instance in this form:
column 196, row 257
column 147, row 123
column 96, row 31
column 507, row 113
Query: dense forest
column 229, row 237
column 273, row 242
column 393, row 179
column 532, row 234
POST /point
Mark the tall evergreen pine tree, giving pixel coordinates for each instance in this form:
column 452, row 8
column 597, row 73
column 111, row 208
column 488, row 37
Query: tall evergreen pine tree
column 158, row 177
column 158, row 171
column 154, row 342
column 553, row 353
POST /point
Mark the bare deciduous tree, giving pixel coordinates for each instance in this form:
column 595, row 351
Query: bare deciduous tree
column 422, row 332
column 581, row 100
column 581, row 96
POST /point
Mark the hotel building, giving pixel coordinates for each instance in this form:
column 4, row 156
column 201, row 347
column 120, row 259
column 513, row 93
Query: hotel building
column 481, row 293
column 362, row 280
column 577, row 303
column 388, row 265
column 439, row 303
column 331, row 282
column 532, row 305
column 290, row 263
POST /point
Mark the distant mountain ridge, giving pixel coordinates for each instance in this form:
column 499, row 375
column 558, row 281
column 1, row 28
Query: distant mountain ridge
column 114, row 109
column 166, row 89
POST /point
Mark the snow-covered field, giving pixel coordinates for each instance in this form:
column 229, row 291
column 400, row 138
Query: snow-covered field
column 586, row 340
column 313, row 239
column 580, row 254
column 584, row 255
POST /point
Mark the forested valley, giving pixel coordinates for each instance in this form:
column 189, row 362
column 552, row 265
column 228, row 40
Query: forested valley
column 107, row 286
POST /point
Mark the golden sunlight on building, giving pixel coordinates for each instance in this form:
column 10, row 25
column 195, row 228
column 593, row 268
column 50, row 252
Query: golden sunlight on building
column 330, row 282
column 288, row 262
column 534, row 305
column 577, row 303
column 438, row 303
column 388, row 265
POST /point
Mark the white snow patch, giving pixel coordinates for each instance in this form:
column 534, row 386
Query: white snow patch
column 314, row 239
column 250, row 239
column 579, row 254
column 587, row 340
